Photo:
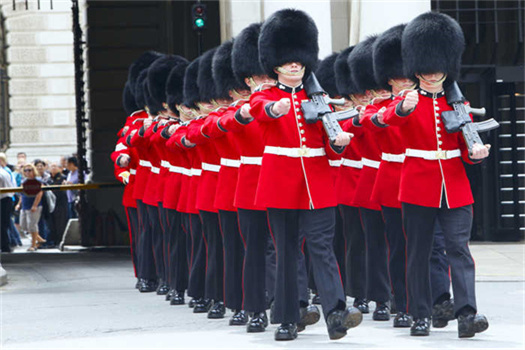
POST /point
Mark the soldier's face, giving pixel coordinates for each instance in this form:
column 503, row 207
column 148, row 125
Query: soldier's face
column 402, row 83
column 432, row 78
column 262, row 79
column 292, row 67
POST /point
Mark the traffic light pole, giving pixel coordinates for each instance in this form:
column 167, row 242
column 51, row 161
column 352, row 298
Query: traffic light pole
column 199, row 43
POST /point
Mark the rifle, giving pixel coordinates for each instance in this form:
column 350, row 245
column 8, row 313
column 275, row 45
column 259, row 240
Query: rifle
column 459, row 118
column 317, row 108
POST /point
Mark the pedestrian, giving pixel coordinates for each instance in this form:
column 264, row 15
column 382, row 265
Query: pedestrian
column 72, row 178
column 6, row 206
column 31, row 209
column 59, row 216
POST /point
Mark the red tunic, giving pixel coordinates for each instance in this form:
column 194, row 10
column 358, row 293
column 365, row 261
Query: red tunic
column 386, row 186
column 230, row 157
column 348, row 176
column 150, row 192
column 424, row 181
column 140, row 145
column 370, row 157
column 172, row 183
column 210, row 164
column 298, row 176
column 249, row 142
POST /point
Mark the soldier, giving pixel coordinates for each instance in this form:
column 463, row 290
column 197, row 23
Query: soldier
column 434, row 185
column 291, row 182
column 378, row 286
column 346, row 184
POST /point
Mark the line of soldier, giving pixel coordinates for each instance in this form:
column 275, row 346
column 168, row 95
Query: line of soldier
column 235, row 200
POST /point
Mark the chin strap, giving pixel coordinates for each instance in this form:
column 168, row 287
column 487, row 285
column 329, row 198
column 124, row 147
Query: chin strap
column 238, row 96
column 287, row 72
column 400, row 87
column 440, row 81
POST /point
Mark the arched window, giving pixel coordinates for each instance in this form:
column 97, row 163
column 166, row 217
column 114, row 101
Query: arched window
column 4, row 92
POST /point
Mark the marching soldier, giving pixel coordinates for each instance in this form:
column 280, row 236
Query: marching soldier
column 291, row 182
column 434, row 185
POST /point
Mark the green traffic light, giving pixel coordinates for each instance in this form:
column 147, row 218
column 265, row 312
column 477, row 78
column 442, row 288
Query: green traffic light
column 199, row 23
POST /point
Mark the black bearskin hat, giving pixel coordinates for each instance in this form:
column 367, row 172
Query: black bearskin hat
column 388, row 63
column 222, row 71
column 158, row 75
column 245, row 53
column 138, row 90
column 343, row 77
column 154, row 106
column 175, row 86
column 288, row 35
column 205, row 81
column 191, row 89
column 128, row 100
column 141, row 63
column 325, row 73
column 431, row 43
column 362, row 65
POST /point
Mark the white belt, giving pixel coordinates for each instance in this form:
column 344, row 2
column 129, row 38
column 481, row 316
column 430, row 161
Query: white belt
column 155, row 170
column 180, row 170
column 352, row 163
column 335, row 163
column 370, row 163
column 165, row 164
column 295, row 152
column 433, row 155
column 395, row 158
column 132, row 171
column 211, row 167
column 195, row 172
column 145, row 163
column 251, row 160
column 233, row 163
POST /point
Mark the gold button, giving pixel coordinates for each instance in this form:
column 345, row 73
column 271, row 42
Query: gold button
column 438, row 128
column 439, row 135
column 304, row 139
column 435, row 102
column 300, row 124
column 440, row 142
column 298, row 109
column 302, row 131
column 296, row 102
column 436, row 108
column 298, row 117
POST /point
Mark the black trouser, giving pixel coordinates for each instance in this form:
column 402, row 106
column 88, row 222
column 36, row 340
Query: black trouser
column 163, row 219
column 253, row 225
column 271, row 266
column 145, row 244
column 419, row 226
column 355, row 264
column 133, row 227
column 197, row 272
column 233, row 259
column 214, row 266
column 396, row 255
column 6, row 205
column 318, row 228
column 340, row 246
column 156, row 240
column 439, row 268
column 178, row 263
column 304, row 270
column 378, row 281
column 60, row 217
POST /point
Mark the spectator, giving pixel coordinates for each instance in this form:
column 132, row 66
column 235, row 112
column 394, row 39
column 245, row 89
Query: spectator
column 14, row 236
column 72, row 178
column 6, row 205
column 21, row 157
column 63, row 164
column 44, row 223
column 31, row 209
column 60, row 215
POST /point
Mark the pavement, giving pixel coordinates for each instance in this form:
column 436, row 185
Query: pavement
column 86, row 300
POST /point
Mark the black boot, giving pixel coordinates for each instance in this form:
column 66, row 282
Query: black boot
column 361, row 305
column 137, row 285
column 148, row 286
column 442, row 313
column 177, row 298
column 201, row 306
column 192, row 303
column 309, row 315
column 381, row 313
column 402, row 320
column 286, row 331
column 272, row 313
column 469, row 325
column 170, row 294
column 217, row 310
column 339, row 321
column 420, row 327
column 258, row 322
column 239, row 318
column 163, row 288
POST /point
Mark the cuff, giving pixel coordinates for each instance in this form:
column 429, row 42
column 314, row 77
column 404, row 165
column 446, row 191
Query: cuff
column 185, row 143
column 117, row 161
column 377, row 123
column 221, row 128
column 356, row 123
column 337, row 149
column 399, row 113
column 142, row 131
column 268, row 110
column 155, row 128
column 240, row 119
column 164, row 133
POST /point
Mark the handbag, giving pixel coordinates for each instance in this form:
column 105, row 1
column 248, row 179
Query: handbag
column 51, row 200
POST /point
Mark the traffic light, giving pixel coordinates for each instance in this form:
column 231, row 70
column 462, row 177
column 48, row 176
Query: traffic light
column 198, row 14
